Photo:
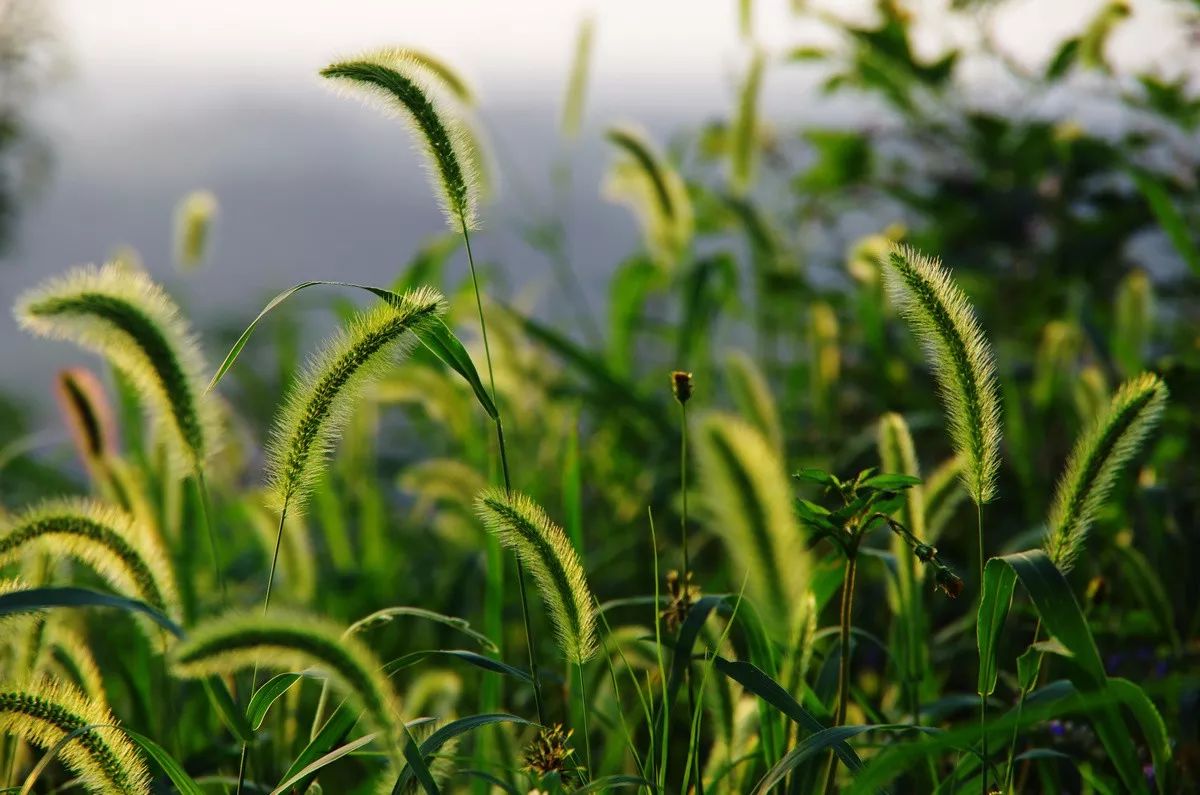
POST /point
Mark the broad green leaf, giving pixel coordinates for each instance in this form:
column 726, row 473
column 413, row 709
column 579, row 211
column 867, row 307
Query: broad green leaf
column 332, row 732
column 444, row 344
column 231, row 716
column 998, row 584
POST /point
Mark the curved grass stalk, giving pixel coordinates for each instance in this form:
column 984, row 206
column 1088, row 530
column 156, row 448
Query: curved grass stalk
column 294, row 641
column 127, row 554
column 393, row 78
column 44, row 713
column 1099, row 455
column 125, row 317
column 747, row 496
column 944, row 322
column 522, row 526
column 451, row 152
column 319, row 402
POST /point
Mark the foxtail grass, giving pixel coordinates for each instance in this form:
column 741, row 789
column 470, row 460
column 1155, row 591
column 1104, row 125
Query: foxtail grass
column 1099, row 456
column 654, row 191
column 129, row 320
column 73, row 657
column 572, row 113
column 126, row 554
column 752, row 395
column 748, row 500
column 88, row 414
column 744, row 145
column 47, row 713
column 320, row 401
column 234, row 641
column 542, row 546
column 943, row 319
column 898, row 455
column 393, row 79
column 1133, row 322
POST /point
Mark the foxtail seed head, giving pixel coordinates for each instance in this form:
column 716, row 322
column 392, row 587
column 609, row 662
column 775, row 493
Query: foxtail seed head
column 125, row 317
column 1097, row 458
column 748, row 496
column 942, row 319
column 44, row 713
column 293, row 641
column 654, row 191
column 321, row 399
column 522, row 526
column 397, row 82
column 126, row 553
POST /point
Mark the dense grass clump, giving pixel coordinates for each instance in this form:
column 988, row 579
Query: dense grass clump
column 767, row 569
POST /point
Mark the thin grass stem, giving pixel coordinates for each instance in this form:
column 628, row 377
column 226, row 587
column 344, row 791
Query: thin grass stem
column 982, row 698
column 487, row 352
column 587, row 738
column 205, row 514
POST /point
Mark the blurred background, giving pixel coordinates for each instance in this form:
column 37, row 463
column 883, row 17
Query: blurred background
column 111, row 113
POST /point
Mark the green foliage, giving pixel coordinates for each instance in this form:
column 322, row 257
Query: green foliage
column 758, row 285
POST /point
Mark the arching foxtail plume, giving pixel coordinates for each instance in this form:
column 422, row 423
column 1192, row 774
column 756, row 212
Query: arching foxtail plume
column 45, row 713
column 395, row 80
column 1098, row 457
column 126, row 553
column 942, row 319
column 748, row 497
column 320, row 400
column 294, row 641
column 522, row 526
column 121, row 314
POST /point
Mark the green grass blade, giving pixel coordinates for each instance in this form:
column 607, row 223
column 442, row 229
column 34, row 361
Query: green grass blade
column 266, row 695
column 384, row 616
column 755, row 681
column 478, row 660
column 36, row 599
column 821, row 741
column 324, row 761
column 454, row 729
column 1169, row 217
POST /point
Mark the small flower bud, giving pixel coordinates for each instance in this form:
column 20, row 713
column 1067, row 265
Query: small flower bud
column 681, row 385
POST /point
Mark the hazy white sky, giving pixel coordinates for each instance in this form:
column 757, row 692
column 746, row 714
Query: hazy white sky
column 504, row 43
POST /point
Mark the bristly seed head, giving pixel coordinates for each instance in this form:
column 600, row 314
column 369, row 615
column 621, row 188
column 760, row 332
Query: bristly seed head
column 321, row 399
column 943, row 320
column 121, row 314
column 398, row 82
